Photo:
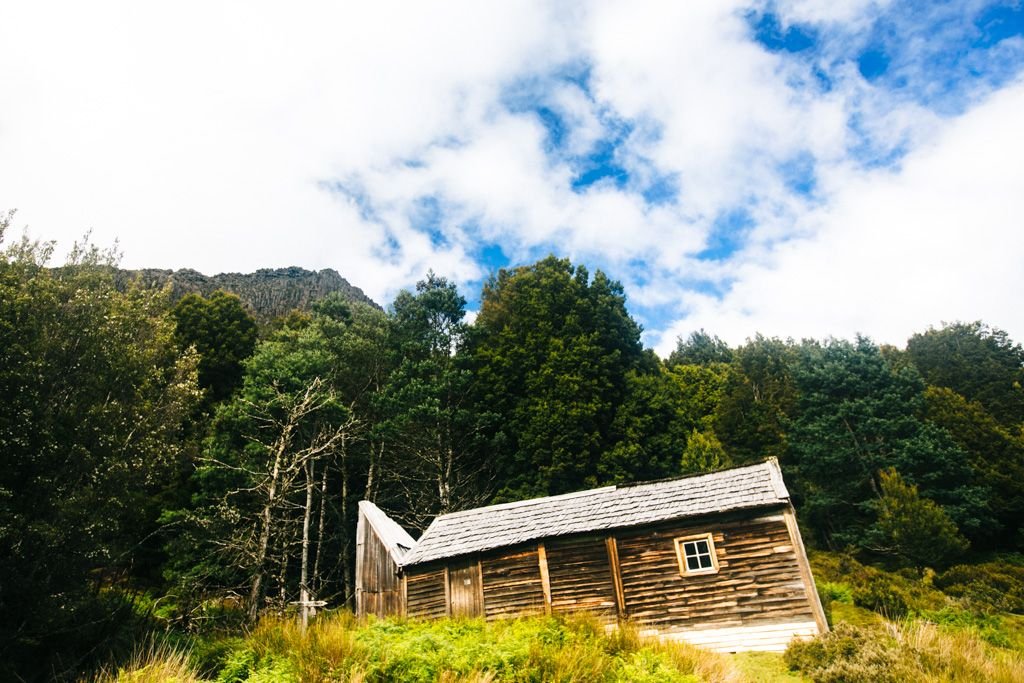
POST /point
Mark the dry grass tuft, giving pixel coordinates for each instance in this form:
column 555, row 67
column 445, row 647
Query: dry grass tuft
column 154, row 664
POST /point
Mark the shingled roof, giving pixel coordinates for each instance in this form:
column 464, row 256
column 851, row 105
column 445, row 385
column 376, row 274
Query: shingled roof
column 497, row 526
column 396, row 539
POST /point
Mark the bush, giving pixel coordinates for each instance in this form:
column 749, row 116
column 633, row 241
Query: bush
column 903, row 651
column 848, row 654
column 889, row 594
column 992, row 586
column 883, row 596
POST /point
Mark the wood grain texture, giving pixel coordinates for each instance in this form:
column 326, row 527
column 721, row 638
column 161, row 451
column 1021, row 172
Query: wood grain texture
column 378, row 585
column 512, row 583
column 759, row 577
column 545, row 578
column 797, row 542
column 427, row 593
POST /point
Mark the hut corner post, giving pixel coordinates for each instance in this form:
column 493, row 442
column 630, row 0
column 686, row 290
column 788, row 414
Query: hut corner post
column 789, row 514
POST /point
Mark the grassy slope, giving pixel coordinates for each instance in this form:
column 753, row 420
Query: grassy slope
column 929, row 636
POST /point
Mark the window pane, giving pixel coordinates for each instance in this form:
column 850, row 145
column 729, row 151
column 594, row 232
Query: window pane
column 705, row 561
column 702, row 547
column 692, row 563
column 690, row 548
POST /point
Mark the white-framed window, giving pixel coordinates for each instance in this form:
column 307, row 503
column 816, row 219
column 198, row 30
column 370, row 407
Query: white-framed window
column 696, row 555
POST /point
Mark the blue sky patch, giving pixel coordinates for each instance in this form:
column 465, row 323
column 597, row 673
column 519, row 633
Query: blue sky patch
column 728, row 235
column 767, row 30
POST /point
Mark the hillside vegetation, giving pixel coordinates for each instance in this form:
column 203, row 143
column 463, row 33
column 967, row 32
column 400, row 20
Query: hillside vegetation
column 176, row 465
column 887, row 627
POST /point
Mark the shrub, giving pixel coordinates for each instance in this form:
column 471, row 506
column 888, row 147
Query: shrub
column 848, row 654
column 903, row 651
column 992, row 586
column 883, row 596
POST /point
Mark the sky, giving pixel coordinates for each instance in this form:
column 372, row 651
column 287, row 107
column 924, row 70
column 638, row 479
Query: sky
column 796, row 168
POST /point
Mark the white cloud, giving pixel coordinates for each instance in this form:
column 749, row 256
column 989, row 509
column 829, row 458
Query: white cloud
column 894, row 251
column 200, row 135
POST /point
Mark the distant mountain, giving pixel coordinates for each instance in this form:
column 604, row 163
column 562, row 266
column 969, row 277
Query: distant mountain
column 267, row 293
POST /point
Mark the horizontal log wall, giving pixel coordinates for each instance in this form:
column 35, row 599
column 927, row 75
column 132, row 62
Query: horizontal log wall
column 758, row 581
column 581, row 579
column 427, row 593
column 512, row 583
column 757, row 599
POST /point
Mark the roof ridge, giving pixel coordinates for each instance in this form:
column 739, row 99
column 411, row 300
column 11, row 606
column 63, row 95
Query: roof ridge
column 523, row 503
column 694, row 475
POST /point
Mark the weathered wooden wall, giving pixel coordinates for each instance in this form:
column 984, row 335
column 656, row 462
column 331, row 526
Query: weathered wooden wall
column 512, row 583
column 759, row 583
column 581, row 577
column 427, row 593
column 757, row 599
column 378, row 585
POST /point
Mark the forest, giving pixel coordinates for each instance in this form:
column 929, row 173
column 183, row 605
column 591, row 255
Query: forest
column 176, row 464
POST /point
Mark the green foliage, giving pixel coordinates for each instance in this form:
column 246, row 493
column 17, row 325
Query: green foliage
column 856, row 416
column 649, row 430
column 703, row 453
column 552, row 349
column 759, row 395
column 535, row 649
column 996, row 457
column 223, row 333
column 437, row 458
column 979, row 362
column 700, row 348
column 913, row 528
column 990, row 586
column 887, row 593
column 92, row 432
column 848, row 654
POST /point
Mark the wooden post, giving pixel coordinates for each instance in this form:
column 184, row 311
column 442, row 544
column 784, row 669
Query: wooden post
column 613, row 563
column 404, row 607
column 789, row 515
column 447, row 593
column 545, row 578
column 480, row 586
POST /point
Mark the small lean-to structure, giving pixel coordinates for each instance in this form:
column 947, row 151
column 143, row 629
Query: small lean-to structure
column 713, row 559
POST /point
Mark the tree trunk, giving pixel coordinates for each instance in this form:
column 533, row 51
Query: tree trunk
column 346, row 571
column 307, row 514
column 266, row 520
column 315, row 578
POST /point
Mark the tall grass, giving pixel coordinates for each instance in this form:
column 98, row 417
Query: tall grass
column 337, row 648
column 155, row 663
column 904, row 651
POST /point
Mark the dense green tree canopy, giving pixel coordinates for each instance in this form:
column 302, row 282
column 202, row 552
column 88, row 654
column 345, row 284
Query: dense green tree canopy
column 856, row 415
column 552, row 349
column 979, row 362
column 95, row 397
column 223, row 333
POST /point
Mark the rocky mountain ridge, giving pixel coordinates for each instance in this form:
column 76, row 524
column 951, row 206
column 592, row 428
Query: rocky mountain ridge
column 267, row 293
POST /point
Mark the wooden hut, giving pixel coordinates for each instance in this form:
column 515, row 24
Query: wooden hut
column 714, row 559
column 380, row 545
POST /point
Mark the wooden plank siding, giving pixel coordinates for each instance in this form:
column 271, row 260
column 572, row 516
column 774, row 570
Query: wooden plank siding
column 581, row 580
column 755, row 600
column 427, row 593
column 378, row 585
column 759, row 577
column 464, row 590
column 512, row 583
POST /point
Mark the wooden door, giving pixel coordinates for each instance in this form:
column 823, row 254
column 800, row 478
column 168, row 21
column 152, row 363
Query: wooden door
column 465, row 589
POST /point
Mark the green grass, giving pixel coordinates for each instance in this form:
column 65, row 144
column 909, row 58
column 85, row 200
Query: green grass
column 337, row 648
column 887, row 627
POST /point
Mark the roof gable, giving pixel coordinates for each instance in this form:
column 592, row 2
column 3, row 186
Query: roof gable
column 396, row 539
column 496, row 526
